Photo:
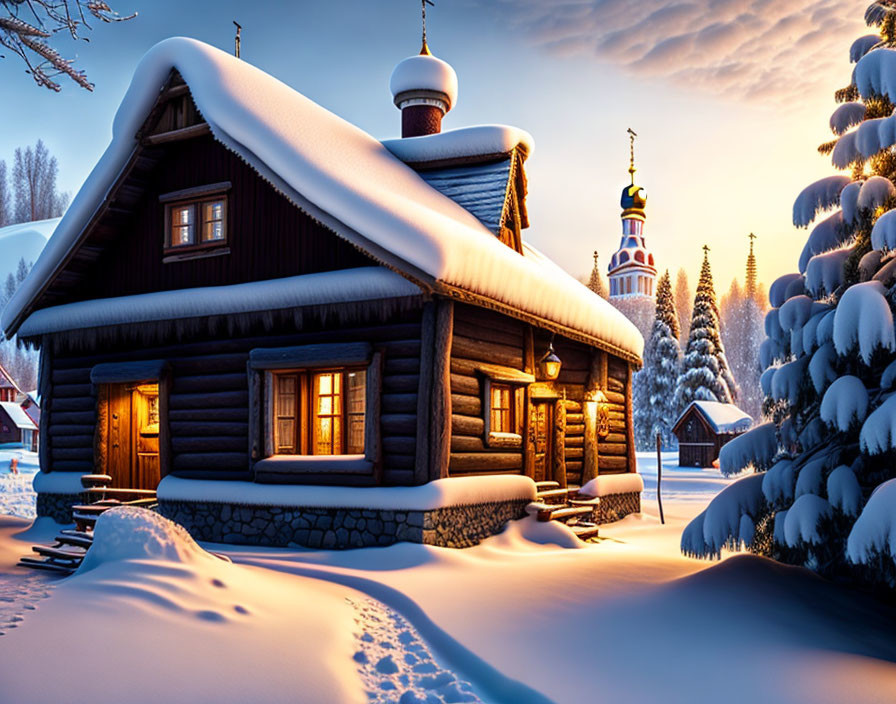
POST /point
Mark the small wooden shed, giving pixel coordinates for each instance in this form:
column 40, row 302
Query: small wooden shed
column 704, row 427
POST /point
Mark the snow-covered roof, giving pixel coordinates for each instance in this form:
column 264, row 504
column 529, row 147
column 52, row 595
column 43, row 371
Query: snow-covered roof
column 342, row 286
column 17, row 415
column 465, row 142
column 346, row 178
column 722, row 417
column 6, row 381
column 424, row 72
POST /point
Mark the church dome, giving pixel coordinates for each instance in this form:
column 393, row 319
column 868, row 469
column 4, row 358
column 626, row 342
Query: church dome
column 633, row 197
column 424, row 73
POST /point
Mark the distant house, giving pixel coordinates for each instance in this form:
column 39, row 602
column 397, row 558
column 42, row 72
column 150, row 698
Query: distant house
column 274, row 318
column 8, row 388
column 704, row 427
column 16, row 427
column 30, row 403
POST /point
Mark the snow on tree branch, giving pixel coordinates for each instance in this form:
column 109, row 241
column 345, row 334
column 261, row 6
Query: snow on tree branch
column 26, row 23
column 845, row 403
column 874, row 533
column 845, row 116
column 879, row 431
column 863, row 319
column 816, row 197
column 722, row 524
column 862, row 46
column 755, row 448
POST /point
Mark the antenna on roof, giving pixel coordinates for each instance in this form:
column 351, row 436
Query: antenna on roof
column 236, row 41
column 423, row 3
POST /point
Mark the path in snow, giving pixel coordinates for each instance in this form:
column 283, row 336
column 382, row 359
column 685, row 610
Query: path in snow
column 396, row 665
column 19, row 594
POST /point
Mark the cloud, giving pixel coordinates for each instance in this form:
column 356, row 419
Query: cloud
column 758, row 50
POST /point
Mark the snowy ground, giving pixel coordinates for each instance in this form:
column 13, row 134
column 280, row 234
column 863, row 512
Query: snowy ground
column 517, row 619
column 16, row 494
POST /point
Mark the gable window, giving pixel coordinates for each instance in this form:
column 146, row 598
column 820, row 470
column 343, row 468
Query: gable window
column 319, row 412
column 197, row 223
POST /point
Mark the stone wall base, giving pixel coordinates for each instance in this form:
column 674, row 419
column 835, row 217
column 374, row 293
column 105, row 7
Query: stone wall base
column 341, row 528
column 614, row 507
column 59, row 506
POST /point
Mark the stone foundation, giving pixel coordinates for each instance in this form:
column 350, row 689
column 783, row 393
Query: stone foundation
column 340, row 528
column 614, row 507
column 59, row 506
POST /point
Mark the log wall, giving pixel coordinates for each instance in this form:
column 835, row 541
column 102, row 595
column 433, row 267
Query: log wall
column 480, row 337
column 208, row 402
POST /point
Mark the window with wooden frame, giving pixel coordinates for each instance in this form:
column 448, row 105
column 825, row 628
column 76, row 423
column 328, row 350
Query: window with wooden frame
column 320, row 412
column 502, row 409
column 196, row 224
column 503, row 413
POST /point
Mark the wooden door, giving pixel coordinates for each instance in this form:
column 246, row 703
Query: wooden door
column 543, row 431
column 133, row 436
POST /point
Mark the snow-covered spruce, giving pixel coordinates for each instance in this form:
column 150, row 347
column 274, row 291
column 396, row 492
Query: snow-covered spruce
column 705, row 373
column 655, row 409
column 825, row 462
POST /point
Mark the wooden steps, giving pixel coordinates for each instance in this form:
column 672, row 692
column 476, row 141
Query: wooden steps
column 554, row 503
column 72, row 545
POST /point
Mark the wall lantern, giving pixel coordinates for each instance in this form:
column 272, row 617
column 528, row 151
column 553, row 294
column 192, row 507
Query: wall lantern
column 549, row 365
column 603, row 414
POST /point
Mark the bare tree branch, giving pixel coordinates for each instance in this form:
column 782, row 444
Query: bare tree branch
column 23, row 37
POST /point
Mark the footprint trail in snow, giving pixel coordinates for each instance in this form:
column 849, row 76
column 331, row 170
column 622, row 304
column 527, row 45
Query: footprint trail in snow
column 19, row 594
column 395, row 664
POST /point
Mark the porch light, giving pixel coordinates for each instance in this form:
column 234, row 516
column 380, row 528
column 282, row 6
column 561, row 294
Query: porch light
column 549, row 365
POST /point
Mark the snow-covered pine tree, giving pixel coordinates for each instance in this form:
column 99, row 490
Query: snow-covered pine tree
column 655, row 410
column 683, row 305
column 596, row 281
column 705, row 374
column 742, row 334
column 822, row 491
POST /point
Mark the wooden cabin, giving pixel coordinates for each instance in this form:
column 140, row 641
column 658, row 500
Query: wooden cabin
column 16, row 428
column 248, row 305
column 8, row 387
column 704, row 427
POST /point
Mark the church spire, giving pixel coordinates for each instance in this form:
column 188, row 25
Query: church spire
column 631, row 167
column 751, row 271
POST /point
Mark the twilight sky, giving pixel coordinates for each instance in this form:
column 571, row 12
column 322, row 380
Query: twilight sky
column 730, row 99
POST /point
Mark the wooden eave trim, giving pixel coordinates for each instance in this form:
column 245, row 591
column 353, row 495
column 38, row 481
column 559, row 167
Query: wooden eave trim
column 475, row 299
column 196, row 192
column 191, row 132
column 692, row 410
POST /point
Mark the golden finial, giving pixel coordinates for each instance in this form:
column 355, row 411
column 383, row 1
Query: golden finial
column 752, row 237
column 424, row 50
column 631, row 168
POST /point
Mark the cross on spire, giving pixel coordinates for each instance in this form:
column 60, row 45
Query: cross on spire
column 752, row 237
column 706, row 251
column 595, row 258
column 631, row 168
column 423, row 3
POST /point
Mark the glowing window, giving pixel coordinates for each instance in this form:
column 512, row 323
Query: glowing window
column 502, row 409
column 197, row 223
column 319, row 413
